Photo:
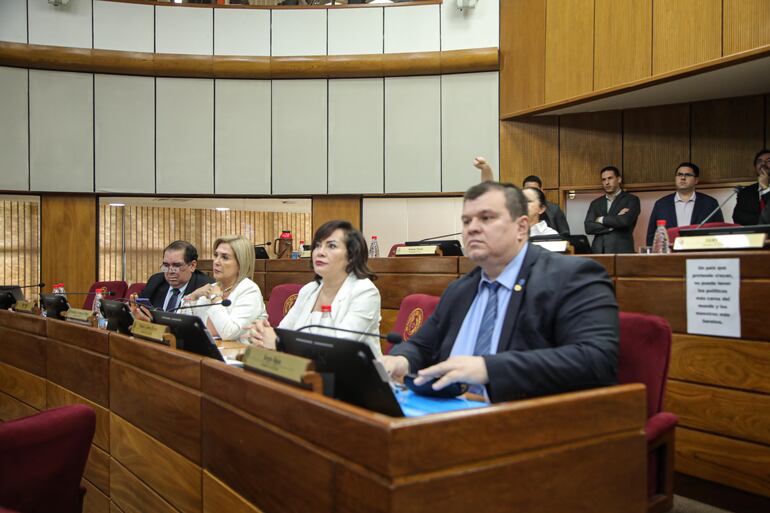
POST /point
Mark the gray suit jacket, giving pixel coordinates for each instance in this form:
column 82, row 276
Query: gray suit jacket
column 616, row 233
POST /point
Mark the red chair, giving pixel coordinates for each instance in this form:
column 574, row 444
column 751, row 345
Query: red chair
column 118, row 289
column 645, row 350
column 673, row 233
column 282, row 298
column 135, row 288
column 43, row 458
column 413, row 311
column 393, row 249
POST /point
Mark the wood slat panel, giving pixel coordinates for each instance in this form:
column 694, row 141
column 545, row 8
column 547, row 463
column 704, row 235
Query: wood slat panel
column 84, row 372
column 753, row 264
column 430, row 265
column 33, row 324
column 725, row 136
column 58, row 396
column 98, row 469
column 218, row 497
column 22, row 350
column 724, row 362
column 132, row 495
column 284, row 475
column 327, row 208
column 655, row 141
column 394, row 287
column 685, row 32
column 115, row 509
column 588, row 142
column 735, row 463
column 23, row 386
column 744, row 25
column 94, row 501
column 622, row 51
column 172, row 476
column 165, row 410
column 733, row 413
column 522, row 55
column 179, row 366
column 11, row 408
column 85, row 337
column 530, row 147
column 569, row 48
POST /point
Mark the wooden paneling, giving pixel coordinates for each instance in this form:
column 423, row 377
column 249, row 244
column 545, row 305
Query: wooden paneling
column 23, row 386
column 98, row 469
column 394, row 287
column 327, row 208
column 33, row 324
column 607, row 261
column 655, row 140
column 740, row 364
column 569, row 48
column 745, row 25
column 58, row 396
column 68, row 234
column 530, row 147
column 388, row 319
column 732, row 413
column 725, row 136
column 179, row 366
column 218, row 497
column 522, row 54
column 172, row 476
column 622, row 41
column 735, row 463
column 273, row 279
column 588, row 142
column 165, row 410
column 11, row 408
column 427, row 265
column 23, row 350
column 753, row 264
column 84, row 337
column 83, row 372
column 94, row 501
column 685, row 32
column 132, row 495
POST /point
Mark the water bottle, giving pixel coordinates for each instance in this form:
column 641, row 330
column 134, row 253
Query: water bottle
column 59, row 289
column 101, row 321
column 374, row 248
column 660, row 241
column 326, row 320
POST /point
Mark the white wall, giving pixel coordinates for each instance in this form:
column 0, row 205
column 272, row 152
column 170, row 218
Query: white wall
column 14, row 129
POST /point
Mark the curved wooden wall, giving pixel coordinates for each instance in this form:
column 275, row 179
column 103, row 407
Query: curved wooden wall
column 217, row 66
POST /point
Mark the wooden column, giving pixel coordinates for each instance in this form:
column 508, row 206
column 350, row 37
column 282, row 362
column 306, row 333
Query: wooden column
column 327, row 208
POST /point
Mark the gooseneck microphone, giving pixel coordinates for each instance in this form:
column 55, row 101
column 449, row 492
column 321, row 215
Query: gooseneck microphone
column 224, row 302
column 9, row 287
column 736, row 190
column 393, row 338
column 440, row 237
column 268, row 243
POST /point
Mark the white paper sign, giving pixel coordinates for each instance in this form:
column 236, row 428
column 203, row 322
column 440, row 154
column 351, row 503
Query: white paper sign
column 714, row 297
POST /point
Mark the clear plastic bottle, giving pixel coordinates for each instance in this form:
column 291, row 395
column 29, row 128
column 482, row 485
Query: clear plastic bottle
column 59, row 289
column 374, row 248
column 101, row 321
column 326, row 320
column 660, row 240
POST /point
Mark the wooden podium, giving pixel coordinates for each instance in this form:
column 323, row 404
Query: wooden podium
column 177, row 432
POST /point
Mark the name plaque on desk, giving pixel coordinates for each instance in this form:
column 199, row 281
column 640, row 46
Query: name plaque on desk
column 273, row 363
column 429, row 250
column 78, row 315
column 722, row 241
column 29, row 307
column 555, row 246
column 149, row 331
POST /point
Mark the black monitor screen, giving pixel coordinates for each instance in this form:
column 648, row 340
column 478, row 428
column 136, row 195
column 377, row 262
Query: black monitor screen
column 190, row 332
column 260, row 253
column 357, row 379
column 54, row 305
column 118, row 316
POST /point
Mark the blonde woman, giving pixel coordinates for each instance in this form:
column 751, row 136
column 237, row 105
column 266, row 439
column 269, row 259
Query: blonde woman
column 233, row 269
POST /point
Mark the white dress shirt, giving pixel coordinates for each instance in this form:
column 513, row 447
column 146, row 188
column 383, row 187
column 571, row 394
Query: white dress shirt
column 246, row 306
column 541, row 228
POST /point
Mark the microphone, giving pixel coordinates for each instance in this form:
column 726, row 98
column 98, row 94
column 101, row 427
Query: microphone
column 393, row 338
column 440, row 237
column 224, row 302
column 736, row 190
column 268, row 243
column 9, row 287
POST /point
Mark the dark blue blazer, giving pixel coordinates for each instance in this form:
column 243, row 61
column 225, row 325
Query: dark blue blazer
column 560, row 331
column 664, row 209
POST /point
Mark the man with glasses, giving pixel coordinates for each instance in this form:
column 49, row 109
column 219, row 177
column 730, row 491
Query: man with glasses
column 178, row 277
column 685, row 207
column 753, row 199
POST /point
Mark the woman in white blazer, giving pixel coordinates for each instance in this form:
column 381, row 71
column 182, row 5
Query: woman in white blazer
column 344, row 281
column 233, row 267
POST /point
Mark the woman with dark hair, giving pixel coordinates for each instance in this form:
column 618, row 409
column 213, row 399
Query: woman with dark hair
column 343, row 281
column 536, row 212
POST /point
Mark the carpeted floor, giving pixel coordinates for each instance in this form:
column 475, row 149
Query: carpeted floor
column 685, row 505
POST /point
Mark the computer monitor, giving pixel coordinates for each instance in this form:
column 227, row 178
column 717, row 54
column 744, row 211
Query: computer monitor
column 580, row 243
column 190, row 332
column 357, row 379
column 450, row 247
column 118, row 316
column 9, row 294
column 54, row 305
column 260, row 253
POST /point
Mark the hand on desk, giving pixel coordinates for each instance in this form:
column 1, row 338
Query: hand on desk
column 457, row 369
column 261, row 334
column 396, row 366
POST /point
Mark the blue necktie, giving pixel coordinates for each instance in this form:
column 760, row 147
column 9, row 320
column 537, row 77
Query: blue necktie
column 484, row 340
column 173, row 301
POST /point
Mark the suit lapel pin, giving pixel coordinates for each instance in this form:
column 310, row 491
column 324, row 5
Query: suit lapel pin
column 519, row 286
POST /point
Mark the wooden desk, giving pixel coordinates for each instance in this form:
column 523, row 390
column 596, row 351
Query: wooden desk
column 182, row 433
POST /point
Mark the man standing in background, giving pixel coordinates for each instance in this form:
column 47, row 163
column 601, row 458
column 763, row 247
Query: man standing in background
column 611, row 218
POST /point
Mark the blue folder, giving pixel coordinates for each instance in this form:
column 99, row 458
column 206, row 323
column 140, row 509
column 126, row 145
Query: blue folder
column 414, row 405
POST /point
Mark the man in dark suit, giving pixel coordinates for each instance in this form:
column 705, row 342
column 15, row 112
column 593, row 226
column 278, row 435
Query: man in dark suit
column 754, row 198
column 611, row 218
column 526, row 322
column 684, row 207
column 177, row 278
column 554, row 215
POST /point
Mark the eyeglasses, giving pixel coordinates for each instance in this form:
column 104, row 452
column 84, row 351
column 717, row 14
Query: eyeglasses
column 172, row 268
column 685, row 175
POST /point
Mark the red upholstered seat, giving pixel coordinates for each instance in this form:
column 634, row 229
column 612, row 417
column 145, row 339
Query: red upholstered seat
column 42, row 460
column 393, row 249
column 282, row 298
column 645, row 350
column 135, row 288
column 118, row 289
column 413, row 311
column 673, row 233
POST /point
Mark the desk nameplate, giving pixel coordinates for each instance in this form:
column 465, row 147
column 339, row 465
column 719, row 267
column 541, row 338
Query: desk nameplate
column 717, row 242
column 273, row 363
column 29, row 307
column 149, row 331
column 430, row 249
column 78, row 315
